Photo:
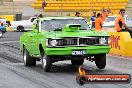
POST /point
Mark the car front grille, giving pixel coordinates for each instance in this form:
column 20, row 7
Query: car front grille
column 66, row 42
column 78, row 41
column 88, row 41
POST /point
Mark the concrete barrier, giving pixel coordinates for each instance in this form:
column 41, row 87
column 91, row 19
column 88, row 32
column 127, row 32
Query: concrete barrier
column 121, row 43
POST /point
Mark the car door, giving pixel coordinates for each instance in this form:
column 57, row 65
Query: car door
column 34, row 42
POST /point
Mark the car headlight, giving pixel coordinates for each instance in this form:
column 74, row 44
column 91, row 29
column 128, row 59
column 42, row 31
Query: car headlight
column 103, row 40
column 53, row 42
column 47, row 42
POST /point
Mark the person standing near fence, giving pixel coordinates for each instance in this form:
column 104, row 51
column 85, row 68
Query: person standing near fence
column 98, row 22
column 104, row 14
column 120, row 24
column 44, row 5
column 92, row 18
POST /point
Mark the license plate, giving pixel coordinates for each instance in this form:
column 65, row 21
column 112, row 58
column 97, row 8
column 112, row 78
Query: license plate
column 78, row 52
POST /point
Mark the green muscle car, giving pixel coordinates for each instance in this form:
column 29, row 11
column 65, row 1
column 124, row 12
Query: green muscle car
column 63, row 38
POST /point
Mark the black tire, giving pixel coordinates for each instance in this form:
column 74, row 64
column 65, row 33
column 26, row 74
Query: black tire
column 46, row 63
column 100, row 61
column 28, row 61
column 77, row 62
column 20, row 29
column 1, row 33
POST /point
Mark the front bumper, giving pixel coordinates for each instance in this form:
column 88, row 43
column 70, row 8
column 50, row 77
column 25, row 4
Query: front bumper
column 68, row 50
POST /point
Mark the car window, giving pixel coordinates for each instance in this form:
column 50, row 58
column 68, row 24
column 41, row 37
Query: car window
column 32, row 19
column 51, row 25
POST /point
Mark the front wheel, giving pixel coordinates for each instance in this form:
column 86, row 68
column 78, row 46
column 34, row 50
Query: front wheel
column 1, row 33
column 28, row 61
column 100, row 61
column 46, row 63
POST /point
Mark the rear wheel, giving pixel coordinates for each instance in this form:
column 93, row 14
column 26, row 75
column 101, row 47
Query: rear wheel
column 77, row 62
column 100, row 61
column 28, row 61
column 20, row 29
column 1, row 33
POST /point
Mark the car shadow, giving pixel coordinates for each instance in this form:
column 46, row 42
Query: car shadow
column 68, row 68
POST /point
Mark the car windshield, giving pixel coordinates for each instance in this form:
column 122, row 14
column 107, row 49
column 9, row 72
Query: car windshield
column 110, row 19
column 58, row 24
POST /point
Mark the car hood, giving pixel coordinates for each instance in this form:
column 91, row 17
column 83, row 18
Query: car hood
column 75, row 34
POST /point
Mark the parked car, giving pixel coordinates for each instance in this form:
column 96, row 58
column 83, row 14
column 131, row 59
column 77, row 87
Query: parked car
column 63, row 38
column 23, row 25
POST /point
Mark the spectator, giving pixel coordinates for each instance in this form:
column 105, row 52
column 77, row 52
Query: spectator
column 77, row 14
column 4, row 21
column 92, row 18
column 44, row 4
column 1, row 24
column 104, row 15
column 108, row 10
column 98, row 22
column 120, row 22
column 8, row 23
column 102, row 10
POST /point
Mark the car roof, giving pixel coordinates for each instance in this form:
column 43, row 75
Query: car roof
column 51, row 18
